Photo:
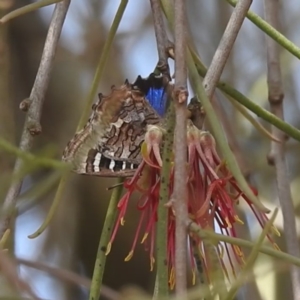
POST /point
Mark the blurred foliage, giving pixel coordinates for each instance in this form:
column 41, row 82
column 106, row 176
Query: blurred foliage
column 72, row 238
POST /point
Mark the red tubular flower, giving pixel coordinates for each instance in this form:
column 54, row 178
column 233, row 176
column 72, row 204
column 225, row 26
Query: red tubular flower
column 147, row 182
column 212, row 195
column 213, row 192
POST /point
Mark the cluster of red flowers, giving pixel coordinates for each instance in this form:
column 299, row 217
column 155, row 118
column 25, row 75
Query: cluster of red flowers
column 212, row 195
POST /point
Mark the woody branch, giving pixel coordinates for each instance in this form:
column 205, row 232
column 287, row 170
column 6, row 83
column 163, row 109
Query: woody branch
column 180, row 174
column 276, row 156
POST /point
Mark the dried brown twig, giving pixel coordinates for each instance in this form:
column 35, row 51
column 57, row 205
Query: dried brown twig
column 222, row 53
column 32, row 124
column 276, row 156
column 180, row 143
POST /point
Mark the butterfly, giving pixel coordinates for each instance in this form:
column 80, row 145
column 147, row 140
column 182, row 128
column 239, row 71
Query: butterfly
column 110, row 143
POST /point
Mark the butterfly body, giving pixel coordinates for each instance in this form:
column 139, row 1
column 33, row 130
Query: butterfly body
column 110, row 143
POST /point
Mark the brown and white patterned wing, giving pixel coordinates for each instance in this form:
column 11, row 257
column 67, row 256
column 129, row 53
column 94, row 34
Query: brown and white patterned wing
column 110, row 143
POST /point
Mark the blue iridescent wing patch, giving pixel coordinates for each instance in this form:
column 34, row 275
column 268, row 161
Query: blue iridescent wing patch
column 154, row 91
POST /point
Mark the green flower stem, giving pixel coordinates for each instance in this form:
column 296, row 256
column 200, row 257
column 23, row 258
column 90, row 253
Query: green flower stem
column 271, row 31
column 101, row 63
column 251, row 259
column 54, row 205
column 104, row 240
column 90, row 97
column 27, row 9
column 208, row 234
column 219, row 134
column 239, row 97
column 163, row 211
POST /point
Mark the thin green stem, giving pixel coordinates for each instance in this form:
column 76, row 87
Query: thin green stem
column 32, row 159
column 54, row 205
column 261, row 112
column 270, row 31
column 257, row 125
column 242, row 99
column 104, row 240
column 27, row 9
column 208, row 234
column 251, row 259
column 101, row 63
column 219, row 134
column 235, row 94
column 215, row 268
column 162, row 224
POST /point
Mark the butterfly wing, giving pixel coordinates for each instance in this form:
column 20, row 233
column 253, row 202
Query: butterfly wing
column 154, row 89
column 110, row 143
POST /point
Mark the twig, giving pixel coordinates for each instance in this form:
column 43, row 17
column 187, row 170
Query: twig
column 255, row 123
column 180, row 173
column 54, row 205
column 276, row 156
column 103, row 243
column 32, row 124
column 68, row 276
column 222, row 53
column 161, row 37
column 9, row 269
